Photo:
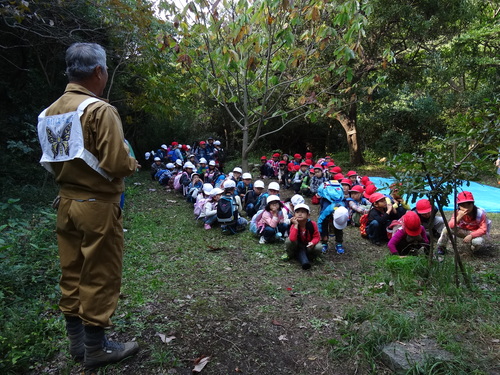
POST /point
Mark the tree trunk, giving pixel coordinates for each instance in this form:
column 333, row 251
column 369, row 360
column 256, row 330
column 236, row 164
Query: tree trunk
column 244, row 149
column 348, row 121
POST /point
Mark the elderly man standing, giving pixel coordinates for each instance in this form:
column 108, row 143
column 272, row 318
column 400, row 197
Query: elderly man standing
column 84, row 147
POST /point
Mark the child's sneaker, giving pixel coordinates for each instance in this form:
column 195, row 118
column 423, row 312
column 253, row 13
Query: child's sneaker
column 207, row 226
column 262, row 240
column 340, row 248
column 324, row 248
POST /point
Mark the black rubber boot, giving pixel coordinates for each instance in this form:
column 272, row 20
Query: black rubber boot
column 99, row 351
column 303, row 259
column 76, row 335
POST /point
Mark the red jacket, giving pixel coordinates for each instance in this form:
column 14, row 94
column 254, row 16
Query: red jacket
column 306, row 236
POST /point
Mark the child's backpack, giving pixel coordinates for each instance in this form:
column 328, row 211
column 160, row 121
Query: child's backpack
column 164, row 177
column 363, row 223
column 331, row 191
column 393, row 227
column 199, row 207
column 177, row 181
column 226, row 210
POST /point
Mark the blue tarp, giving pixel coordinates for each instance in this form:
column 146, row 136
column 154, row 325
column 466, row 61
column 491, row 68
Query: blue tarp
column 486, row 197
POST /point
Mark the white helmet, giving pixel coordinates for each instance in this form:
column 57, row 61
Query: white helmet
column 157, row 159
column 217, row 143
column 274, row 186
column 246, row 176
column 189, row 165
column 203, row 160
column 297, row 199
column 178, row 162
column 238, row 169
column 147, row 155
column 228, row 184
column 216, row 191
column 302, row 205
column 340, row 217
column 207, row 188
column 259, row 184
column 211, row 162
column 164, row 146
column 170, row 166
column 272, row 198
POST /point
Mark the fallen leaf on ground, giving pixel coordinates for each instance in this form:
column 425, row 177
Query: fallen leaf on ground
column 276, row 323
column 214, row 248
column 282, row 338
column 200, row 363
column 164, row 338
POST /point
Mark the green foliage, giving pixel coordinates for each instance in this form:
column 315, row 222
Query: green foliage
column 28, row 287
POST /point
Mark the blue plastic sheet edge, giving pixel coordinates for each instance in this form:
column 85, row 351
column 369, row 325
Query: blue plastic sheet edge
column 486, row 197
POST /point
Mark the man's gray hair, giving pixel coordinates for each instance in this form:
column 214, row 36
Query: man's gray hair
column 82, row 59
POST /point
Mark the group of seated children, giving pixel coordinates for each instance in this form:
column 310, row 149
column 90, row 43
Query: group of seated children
column 343, row 200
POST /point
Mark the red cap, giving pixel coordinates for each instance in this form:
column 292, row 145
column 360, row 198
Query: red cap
column 309, row 155
column 330, row 164
column 296, row 167
column 338, row 177
column 352, row 173
column 464, row 197
column 423, row 206
column 411, row 223
column 369, row 190
column 203, row 143
column 263, row 158
column 317, row 166
column 346, row 181
column 276, row 155
column 309, row 162
column 328, row 157
column 297, row 156
column 337, row 169
column 375, row 197
column 357, row 189
column 365, row 180
column 304, row 163
column 174, row 143
column 282, row 162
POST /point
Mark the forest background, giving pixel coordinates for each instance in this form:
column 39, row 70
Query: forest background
column 414, row 83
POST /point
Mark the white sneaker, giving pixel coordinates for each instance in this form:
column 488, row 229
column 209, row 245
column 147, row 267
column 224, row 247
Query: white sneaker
column 262, row 240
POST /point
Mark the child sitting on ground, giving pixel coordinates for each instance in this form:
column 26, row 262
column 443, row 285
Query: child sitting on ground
column 244, row 186
column 471, row 222
column 303, row 243
column 424, row 211
column 290, row 204
column 209, row 212
column 194, row 187
column 273, row 223
column 253, row 198
column 357, row 204
column 299, row 176
column 410, row 237
column 380, row 217
column 272, row 189
column 227, row 210
column 317, row 179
